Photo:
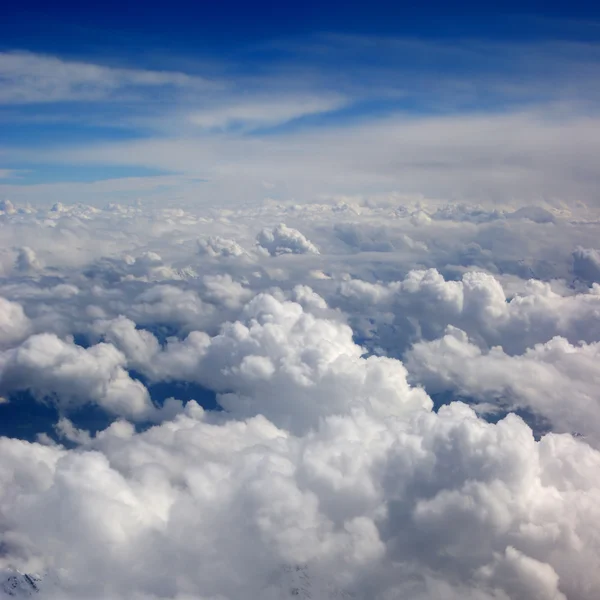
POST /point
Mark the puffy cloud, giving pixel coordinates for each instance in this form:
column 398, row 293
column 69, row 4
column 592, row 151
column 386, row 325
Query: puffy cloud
column 462, row 212
column 138, row 345
column 365, row 506
column 222, row 290
column 586, row 264
column 14, row 323
column 365, row 239
column 276, row 350
column 285, row 240
column 219, row 246
column 7, row 207
column 556, row 380
column 537, row 214
column 479, row 214
column 171, row 305
column 72, row 376
column 328, row 474
column 26, row 260
column 423, row 304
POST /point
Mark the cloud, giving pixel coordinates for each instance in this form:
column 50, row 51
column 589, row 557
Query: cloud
column 341, row 465
column 378, row 507
column 491, row 114
column 7, row 207
column 265, row 111
column 376, row 144
column 14, row 323
column 424, row 303
column 565, row 377
column 72, row 376
column 279, row 349
column 405, row 368
column 34, row 78
column 27, row 260
column 285, row 240
column 217, row 246
column 363, row 238
column 481, row 158
column 586, row 264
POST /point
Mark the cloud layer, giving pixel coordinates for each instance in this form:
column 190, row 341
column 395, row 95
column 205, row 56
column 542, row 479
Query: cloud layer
column 406, row 392
column 469, row 119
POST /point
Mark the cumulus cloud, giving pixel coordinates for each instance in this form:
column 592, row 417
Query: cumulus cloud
column 340, row 465
column 26, row 260
column 170, row 305
column 218, row 246
column 278, row 350
column 586, row 264
column 285, row 240
column 376, row 506
column 365, row 239
column 14, row 323
column 7, row 207
column 51, row 368
column 564, row 378
column 424, row 303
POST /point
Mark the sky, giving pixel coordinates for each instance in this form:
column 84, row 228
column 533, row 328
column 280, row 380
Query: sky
column 223, row 99
column 300, row 301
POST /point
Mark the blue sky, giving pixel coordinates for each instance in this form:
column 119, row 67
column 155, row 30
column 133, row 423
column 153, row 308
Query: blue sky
column 208, row 100
column 228, row 25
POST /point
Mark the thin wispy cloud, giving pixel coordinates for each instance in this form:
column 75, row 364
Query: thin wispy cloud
column 479, row 117
column 27, row 78
column 265, row 111
column 533, row 156
column 7, row 173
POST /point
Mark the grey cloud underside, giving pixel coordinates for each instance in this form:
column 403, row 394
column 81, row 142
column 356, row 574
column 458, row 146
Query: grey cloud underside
column 328, row 333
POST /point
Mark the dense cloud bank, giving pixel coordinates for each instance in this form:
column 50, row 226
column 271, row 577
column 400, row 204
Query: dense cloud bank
column 379, row 367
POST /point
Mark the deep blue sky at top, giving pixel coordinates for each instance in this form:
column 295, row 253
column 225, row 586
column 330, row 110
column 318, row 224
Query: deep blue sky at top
column 124, row 27
column 72, row 76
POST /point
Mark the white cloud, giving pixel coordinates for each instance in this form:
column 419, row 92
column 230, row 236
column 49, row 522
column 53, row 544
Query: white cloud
column 537, row 143
column 424, row 304
column 51, row 368
column 215, row 246
column 27, row 260
column 556, row 379
column 265, row 111
column 279, row 350
column 7, row 207
column 285, row 240
column 34, row 78
column 586, row 264
column 14, row 323
column 479, row 158
column 328, row 474
column 366, row 504
column 452, row 242
column 170, row 304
